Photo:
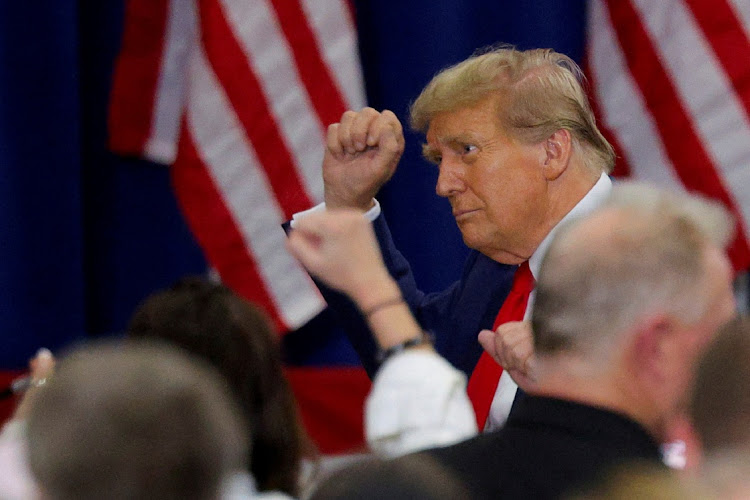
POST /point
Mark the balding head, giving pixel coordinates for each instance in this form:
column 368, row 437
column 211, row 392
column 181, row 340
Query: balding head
column 628, row 298
column 643, row 253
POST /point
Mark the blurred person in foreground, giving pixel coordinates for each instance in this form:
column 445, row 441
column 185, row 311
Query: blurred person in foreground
column 134, row 422
column 211, row 322
column 16, row 480
column 413, row 478
column 518, row 152
column 720, row 410
column 720, row 404
column 642, row 482
column 626, row 300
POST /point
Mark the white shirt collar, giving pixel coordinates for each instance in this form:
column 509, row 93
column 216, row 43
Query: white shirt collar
column 593, row 200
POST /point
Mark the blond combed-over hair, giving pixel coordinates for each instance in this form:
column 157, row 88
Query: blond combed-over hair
column 541, row 92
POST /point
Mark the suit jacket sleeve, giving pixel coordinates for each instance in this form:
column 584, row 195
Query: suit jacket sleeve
column 454, row 316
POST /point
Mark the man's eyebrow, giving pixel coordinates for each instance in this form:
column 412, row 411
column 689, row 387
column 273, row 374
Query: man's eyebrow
column 459, row 139
column 429, row 153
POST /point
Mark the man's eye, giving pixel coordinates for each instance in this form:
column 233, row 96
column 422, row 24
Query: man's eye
column 469, row 148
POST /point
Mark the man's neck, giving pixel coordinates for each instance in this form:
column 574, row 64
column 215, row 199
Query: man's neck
column 566, row 202
column 571, row 380
column 567, row 191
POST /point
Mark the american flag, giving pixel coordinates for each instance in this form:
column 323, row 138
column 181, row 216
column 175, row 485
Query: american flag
column 671, row 81
column 236, row 95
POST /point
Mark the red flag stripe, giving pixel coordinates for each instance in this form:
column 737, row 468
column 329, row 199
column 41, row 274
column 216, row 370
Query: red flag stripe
column 351, row 11
column 315, row 74
column 334, row 28
column 685, row 149
column 137, row 74
column 249, row 102
column 7, row 406
column 728, row 39
column 332, row 402
column 214, row 227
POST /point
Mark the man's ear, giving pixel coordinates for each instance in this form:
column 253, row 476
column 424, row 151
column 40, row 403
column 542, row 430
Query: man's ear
column 557, row 149
column 653, row 347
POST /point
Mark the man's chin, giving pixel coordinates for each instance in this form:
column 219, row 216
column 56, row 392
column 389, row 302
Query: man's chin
column 475, row 243
column 491, row 252
column 470, row 240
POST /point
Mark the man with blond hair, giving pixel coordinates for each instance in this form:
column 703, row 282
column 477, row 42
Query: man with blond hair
column 518, row 151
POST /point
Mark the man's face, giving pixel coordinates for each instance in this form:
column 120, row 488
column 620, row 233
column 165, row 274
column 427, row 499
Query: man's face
column 494, row 183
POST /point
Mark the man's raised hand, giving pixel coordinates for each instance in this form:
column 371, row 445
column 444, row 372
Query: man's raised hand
column 362, row 152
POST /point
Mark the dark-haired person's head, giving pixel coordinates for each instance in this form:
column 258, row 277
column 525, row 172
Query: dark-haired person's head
column 411, row 477
column 139, row 421
column 213, row 323
column 720, row 405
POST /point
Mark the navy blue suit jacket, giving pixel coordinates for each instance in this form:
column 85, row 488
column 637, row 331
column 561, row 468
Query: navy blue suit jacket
column 454, row 316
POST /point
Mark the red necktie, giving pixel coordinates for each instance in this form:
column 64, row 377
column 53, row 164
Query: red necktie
column 486, row 375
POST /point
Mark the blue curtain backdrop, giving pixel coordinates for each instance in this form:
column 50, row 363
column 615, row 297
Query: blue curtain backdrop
column 86, row 235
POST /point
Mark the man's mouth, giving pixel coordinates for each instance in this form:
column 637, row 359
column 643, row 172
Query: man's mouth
column 459, row 214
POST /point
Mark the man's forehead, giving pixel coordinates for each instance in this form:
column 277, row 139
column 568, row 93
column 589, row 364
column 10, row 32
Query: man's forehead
column 434, row 138
column 465, row 124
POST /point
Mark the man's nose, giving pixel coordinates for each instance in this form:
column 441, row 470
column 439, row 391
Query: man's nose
column 450, row 179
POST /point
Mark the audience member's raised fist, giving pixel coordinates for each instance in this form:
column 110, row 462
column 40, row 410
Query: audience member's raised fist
column 339, row 247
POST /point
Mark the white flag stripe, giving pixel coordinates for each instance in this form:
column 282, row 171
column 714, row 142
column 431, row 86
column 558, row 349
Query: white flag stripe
column 240, row 178
column 179, row 38
column 622, row 106
column 705, row 91
column 337, row 42
column 742, row 9
column 258, row 31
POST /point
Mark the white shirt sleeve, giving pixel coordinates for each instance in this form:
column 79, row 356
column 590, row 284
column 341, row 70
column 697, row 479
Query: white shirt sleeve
column 418, row 400
column 16, row 481
column 371, row 214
